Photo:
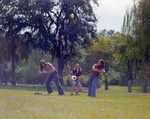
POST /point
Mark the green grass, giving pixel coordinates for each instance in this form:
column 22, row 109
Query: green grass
column 19, row 102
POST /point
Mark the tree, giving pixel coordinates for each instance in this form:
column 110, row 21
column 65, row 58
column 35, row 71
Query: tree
column 56, row 32
column 12, row 22
column 30, row 73
column 102, row 33
column 105, row 33
column 105, row 48
column 110, row 33
column 136, row 35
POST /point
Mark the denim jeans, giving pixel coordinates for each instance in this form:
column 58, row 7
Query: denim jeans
column 77, row 81
column 92, row 87
column 48, row 85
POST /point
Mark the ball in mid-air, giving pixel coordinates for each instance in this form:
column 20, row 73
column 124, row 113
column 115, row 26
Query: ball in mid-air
column 72, row 15
column 74, row 77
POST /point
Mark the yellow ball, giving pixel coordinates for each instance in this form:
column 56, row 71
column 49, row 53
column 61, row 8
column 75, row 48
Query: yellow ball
column 72, row 15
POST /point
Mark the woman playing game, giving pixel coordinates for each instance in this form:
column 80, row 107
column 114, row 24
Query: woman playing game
column 46, row 67
column 97, row 70
column 77, row 72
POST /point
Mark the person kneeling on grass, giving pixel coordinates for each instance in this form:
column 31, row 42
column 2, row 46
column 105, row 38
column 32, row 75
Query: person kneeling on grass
column 46, row 67
column 76, row 72
column 97, row 70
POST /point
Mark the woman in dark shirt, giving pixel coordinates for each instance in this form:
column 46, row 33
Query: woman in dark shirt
column 76, row 72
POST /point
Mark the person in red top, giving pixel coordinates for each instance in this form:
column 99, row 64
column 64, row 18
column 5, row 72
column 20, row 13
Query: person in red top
column 97, row 70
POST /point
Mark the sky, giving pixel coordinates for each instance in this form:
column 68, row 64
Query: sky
column 110, row 14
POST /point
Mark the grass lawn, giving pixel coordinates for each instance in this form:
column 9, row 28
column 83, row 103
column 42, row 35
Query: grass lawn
column 19, row 102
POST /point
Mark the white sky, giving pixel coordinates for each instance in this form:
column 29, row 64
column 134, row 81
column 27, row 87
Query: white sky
column 110, row 14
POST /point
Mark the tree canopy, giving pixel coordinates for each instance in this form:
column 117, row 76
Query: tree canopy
column 46, row 24
column 135, row 50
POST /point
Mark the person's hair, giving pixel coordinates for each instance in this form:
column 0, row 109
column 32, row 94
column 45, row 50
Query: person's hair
column 102, row 63
column 41, row 66
column 76, row 68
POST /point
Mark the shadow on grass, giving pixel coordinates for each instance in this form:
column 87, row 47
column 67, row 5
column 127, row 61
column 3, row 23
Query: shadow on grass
column 28, row 87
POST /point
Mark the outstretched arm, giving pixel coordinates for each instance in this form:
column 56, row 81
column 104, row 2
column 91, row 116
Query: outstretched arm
column 70, row 72
column 94, row 67
column 101, row 71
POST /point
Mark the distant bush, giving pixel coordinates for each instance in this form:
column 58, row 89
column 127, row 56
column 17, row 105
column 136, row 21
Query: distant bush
column 124, row 80
column 113, row 77
column 114, row 82
column 84, row 81
column 6, row 77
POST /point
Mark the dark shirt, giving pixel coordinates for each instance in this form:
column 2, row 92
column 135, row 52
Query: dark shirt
column 77, row 74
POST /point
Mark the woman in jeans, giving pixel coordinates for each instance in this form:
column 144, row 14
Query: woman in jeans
column 78, row 73
column 97, row 70
column 46, row 67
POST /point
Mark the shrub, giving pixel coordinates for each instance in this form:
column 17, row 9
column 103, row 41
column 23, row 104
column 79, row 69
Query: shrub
column 114, row 82
column 113, row 77
column 124, row 80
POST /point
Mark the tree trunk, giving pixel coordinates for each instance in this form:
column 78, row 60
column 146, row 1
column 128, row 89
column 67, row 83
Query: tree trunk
column 60, row 70
column 145, row 87
column 129, row 86
column 106, row 84
column 129, row 72
column 13, row 81
column 1, row 74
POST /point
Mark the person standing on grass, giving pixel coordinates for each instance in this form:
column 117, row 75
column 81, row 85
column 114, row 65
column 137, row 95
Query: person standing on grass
column 97, row 70
column 48, row 68
column 77, row 72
